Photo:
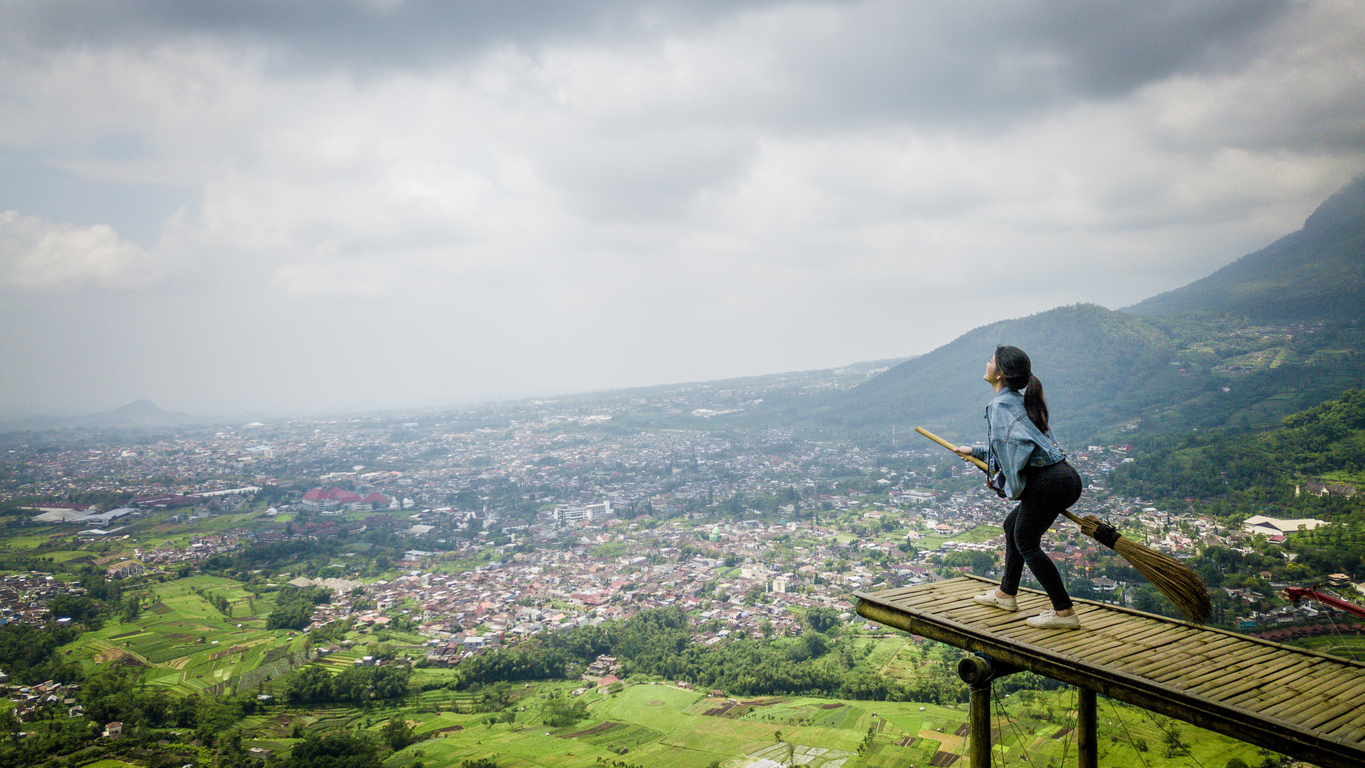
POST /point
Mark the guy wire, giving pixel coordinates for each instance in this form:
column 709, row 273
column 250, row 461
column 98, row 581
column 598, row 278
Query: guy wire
column 1000, row 708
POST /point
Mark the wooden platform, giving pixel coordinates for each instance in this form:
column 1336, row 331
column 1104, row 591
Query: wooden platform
column 1307, row 705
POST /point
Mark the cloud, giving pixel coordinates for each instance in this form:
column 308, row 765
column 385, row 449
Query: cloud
column 601, row 193
column 39, row 254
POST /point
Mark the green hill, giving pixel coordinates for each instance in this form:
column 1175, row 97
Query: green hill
column 1318, row 448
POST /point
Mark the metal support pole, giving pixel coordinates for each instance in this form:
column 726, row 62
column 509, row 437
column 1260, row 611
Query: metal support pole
column 1087, row 745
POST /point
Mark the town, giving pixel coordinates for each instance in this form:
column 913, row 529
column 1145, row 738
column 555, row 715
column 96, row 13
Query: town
column 548, row 515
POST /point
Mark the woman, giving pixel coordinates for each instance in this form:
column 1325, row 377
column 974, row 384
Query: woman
column 1026, row 465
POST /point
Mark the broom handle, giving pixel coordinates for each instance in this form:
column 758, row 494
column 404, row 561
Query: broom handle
column 981, row 465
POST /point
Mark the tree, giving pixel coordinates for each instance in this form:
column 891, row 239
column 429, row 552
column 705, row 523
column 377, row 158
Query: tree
column 334, row 750
column 1171, row 735
column 822, row 618
column 397, row 734
column 562, row 712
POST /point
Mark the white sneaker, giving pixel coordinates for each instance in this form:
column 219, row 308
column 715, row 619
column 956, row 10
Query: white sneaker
column 1050, row 620
column 995, row 601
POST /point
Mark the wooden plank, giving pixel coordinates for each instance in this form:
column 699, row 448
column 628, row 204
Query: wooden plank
column 1268, row 673
column 1332, row 718
column 1092, row 621
column 893, row 593
column 1152, row 637
column 1220, row 671
column 1090, row 647
column 1351, row 733
column 1321, row 687
column 936, row 602
column 1241, row 653
column 1157, row 661
column 1181, row 649
column 1003, row 620
column 1264, row 701
column 1123, row 651
column 1200, row 658
column 1344, row 690
column 926, row 601
column 1291, row 678
column 1199, row 676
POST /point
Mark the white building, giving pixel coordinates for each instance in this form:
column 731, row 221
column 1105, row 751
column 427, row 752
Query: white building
column 565, row 514
column 1271, row 526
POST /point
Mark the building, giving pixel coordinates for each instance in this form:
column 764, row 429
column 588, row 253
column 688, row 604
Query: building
column 566, row 514
column 1270, row 527
column 335, row 499
column 125, row 569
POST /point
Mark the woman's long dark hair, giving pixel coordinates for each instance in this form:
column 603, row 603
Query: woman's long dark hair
column 1017, row 371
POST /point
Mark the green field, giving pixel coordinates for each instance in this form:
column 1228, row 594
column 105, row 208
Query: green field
column 660, row 725
column 185, row 644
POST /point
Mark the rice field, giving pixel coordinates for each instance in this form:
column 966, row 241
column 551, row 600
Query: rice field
column 662, row 726
column 185, row 644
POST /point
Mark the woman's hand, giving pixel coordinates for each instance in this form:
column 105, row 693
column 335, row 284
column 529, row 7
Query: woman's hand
column 965, row 451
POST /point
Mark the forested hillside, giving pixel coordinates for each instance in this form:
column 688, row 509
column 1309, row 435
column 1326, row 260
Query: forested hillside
column 1096, row 366
column 1316, row 273
column 1322, row 446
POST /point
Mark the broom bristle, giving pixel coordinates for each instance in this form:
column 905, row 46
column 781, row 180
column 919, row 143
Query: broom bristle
column 1177, row 581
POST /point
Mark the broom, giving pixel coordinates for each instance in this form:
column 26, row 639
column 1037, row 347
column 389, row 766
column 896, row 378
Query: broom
column 1177, row 581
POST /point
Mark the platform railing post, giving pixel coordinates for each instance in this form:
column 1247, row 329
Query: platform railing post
column 1087, row 745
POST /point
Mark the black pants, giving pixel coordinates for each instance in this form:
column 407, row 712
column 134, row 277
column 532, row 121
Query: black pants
column 1047, row 491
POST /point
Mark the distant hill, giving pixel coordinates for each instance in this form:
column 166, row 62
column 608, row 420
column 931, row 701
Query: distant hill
column 1317, row 273
column 142, row 414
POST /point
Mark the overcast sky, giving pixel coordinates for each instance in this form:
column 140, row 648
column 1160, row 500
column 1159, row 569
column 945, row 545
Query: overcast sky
column 287, row 206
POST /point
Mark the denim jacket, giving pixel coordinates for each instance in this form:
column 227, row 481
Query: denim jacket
column 1014, row 443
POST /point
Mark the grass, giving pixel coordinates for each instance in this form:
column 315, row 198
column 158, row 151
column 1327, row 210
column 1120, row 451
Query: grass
column 979, row 535
column 660, row 725
column 1345, row 646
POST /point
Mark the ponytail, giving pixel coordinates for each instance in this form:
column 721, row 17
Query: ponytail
column 1034, row 403
column 1017, row 370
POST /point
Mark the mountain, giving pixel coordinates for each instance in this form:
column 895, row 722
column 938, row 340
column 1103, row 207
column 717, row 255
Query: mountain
column 142, row 413
column 1096, row 366
column 1317, row 273
column 1275, row 332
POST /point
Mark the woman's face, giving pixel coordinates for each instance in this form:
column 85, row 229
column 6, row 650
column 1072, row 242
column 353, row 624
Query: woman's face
column 992, row 373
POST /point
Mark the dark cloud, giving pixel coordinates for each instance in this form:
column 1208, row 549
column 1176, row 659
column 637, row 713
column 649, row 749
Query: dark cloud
column 905, row 56
column 1110, row 49
column 991, row 63
column 362, row 34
